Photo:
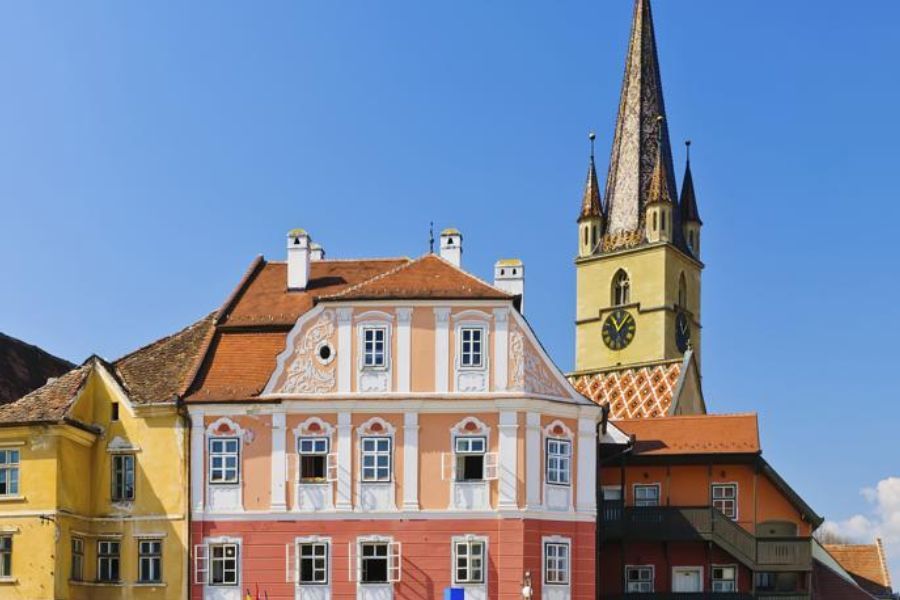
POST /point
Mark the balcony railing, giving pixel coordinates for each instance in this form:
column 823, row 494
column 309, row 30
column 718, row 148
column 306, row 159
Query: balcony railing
column 705, row 524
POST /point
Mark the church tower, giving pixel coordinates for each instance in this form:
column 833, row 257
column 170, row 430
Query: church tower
column 639, row 274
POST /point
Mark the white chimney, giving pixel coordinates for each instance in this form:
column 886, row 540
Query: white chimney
column 316, row 251
column 509, row 276
column 298, row 257
column 451, row 246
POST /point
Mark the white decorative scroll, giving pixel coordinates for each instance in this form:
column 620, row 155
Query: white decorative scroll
column 528, row 372
column 306, row 374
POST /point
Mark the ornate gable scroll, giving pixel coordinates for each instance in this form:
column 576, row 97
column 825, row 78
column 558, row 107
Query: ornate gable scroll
column 528, row 372
column 306, row 371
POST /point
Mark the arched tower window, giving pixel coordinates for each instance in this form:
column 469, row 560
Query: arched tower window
column 621, row 291
column 682, row 292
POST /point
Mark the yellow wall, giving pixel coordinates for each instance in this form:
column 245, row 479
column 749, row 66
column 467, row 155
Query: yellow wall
column 65, row 475
column 655, row 271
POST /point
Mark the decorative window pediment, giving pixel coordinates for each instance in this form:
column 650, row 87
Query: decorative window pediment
column 376, row 426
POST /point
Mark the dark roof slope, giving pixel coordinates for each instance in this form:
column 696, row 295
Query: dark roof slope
column 828, row 585
column 24, row 368
column 47, row 404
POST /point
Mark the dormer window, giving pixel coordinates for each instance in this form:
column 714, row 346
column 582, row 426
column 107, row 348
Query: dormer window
column 374, row 347
column 471, row 350
column 621, row 288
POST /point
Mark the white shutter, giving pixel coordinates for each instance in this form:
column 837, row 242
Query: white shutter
column 290, row 563
column 331, row 467
column 395, row 560
column 491, row 468
column 201, row 563
column 354, row 566
column 448, row 466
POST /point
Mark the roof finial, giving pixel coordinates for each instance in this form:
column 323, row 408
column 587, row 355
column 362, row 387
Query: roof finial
column 592, row 136
column 687, row 144
column 431, row 237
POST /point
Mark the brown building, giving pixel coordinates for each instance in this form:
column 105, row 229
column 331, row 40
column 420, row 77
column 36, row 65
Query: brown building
column 24, row 368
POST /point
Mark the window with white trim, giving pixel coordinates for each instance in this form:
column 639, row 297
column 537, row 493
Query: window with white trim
column 149, row 561
column 470, row 453
column 724, row 497
column 646, row 495
column 313, row 559
column 224, row 460
column 223, row 564
column 639, row 579
column 468, row 561
column 9, row 472
column 378, row 562
column 724, row 579
column 77, row 567
column 556, row 563
column 376, row 459
column 471, row 347
column 108, row 560
column 122, row 477
column 6, row 548
column 374, row 349
column 559, row 461
column 313, row 453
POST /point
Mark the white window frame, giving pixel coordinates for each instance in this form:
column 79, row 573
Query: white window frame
column 469, row 541
column 646, row 486
column 295, row 564
column 567, row 441
column 385, row 328
column 394, row 560
column 10, row 471
column 737, row 495
column 119, row 490
column 652, row 580
column 482, row 354
column 376, row 453
column 6, row 556
column 211, row 547
column 154, row 560
column 329, row 457
column 689, row 568
column 713, row 579
column 223, row 454
column 108, row 558
column 556, row 542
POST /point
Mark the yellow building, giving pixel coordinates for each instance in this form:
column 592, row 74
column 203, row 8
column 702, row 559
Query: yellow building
column 638, row 324
column 93, row 479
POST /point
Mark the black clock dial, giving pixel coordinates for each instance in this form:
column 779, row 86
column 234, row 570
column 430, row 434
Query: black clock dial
column 682, row 332
column 619, row 329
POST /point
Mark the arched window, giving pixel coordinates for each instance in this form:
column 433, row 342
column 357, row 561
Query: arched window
column 682, row 292
column 621, row 291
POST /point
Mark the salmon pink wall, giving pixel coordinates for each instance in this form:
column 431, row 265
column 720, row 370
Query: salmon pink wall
column 422, row 351
column 256, row 459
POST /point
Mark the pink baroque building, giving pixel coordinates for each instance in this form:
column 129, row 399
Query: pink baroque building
column 387, row 428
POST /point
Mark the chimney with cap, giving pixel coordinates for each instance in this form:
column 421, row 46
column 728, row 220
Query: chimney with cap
column 316, row 252
column 509, row 276
column 451, row 246
column 298, row 259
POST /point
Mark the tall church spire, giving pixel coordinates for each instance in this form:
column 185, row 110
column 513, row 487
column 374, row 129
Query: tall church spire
column 634, row 153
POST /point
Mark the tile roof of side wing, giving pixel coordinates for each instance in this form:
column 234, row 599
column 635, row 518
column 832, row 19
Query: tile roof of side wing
column 865, row 563
column 694, row 434
column 49, row 403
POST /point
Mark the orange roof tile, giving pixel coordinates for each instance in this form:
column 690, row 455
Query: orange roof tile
column 237, row 366
column 866, row 563
column 694, row 434
column 426, row 277
column 262, row 298
column 632, row 393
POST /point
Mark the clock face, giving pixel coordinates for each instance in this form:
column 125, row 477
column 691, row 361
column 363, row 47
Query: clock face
column 682, row 332
column 619, row 329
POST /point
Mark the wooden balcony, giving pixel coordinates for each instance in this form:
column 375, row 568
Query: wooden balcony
column 705, row 524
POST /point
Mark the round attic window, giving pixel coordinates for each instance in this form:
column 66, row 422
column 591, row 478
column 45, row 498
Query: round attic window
column 324, row 352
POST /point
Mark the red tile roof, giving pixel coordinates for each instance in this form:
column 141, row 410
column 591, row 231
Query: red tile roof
column 694, row 434
column 632, row 393
column 866, row 563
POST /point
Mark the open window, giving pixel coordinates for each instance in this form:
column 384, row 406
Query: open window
column 378, row 562
column 470, row 461
column 317, row 464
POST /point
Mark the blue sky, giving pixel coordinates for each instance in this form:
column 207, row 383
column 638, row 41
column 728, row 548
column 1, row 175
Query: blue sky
column 148, row 151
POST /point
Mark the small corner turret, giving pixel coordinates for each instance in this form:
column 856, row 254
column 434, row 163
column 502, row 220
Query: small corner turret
column 590, row 219
column 690, row 215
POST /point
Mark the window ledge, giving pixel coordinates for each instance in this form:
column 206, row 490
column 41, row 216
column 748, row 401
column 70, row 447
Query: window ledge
column 98, row 583
column 149, row 584
column 9, row 581
column 12, row 498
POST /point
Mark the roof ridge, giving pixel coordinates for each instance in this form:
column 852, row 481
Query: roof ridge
column 703, row 416
column 378, row 277
column 882, row 559
column 469, row 275
column 338, row 260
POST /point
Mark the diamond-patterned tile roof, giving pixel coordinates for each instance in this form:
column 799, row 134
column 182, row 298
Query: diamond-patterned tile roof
column 632, row 393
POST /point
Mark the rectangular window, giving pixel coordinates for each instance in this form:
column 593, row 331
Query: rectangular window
column 374, row 562
column 223, row 564
column 559, row 462
column 470, row 452
column 639, row 580
column 468, row 558
column 224, row 457
column 556, row 563
column 471, row 347
column 724, row 579
column 724, row 497
column 646, row 495
column 123, row 477
column 313, row 459
column 108, row 561
column 376, row 459
column 373, row 346
column 6, row 545
column 114, row 411
column 77, row 573
column 150, row 561
column 313, row 563
column 9, row 472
